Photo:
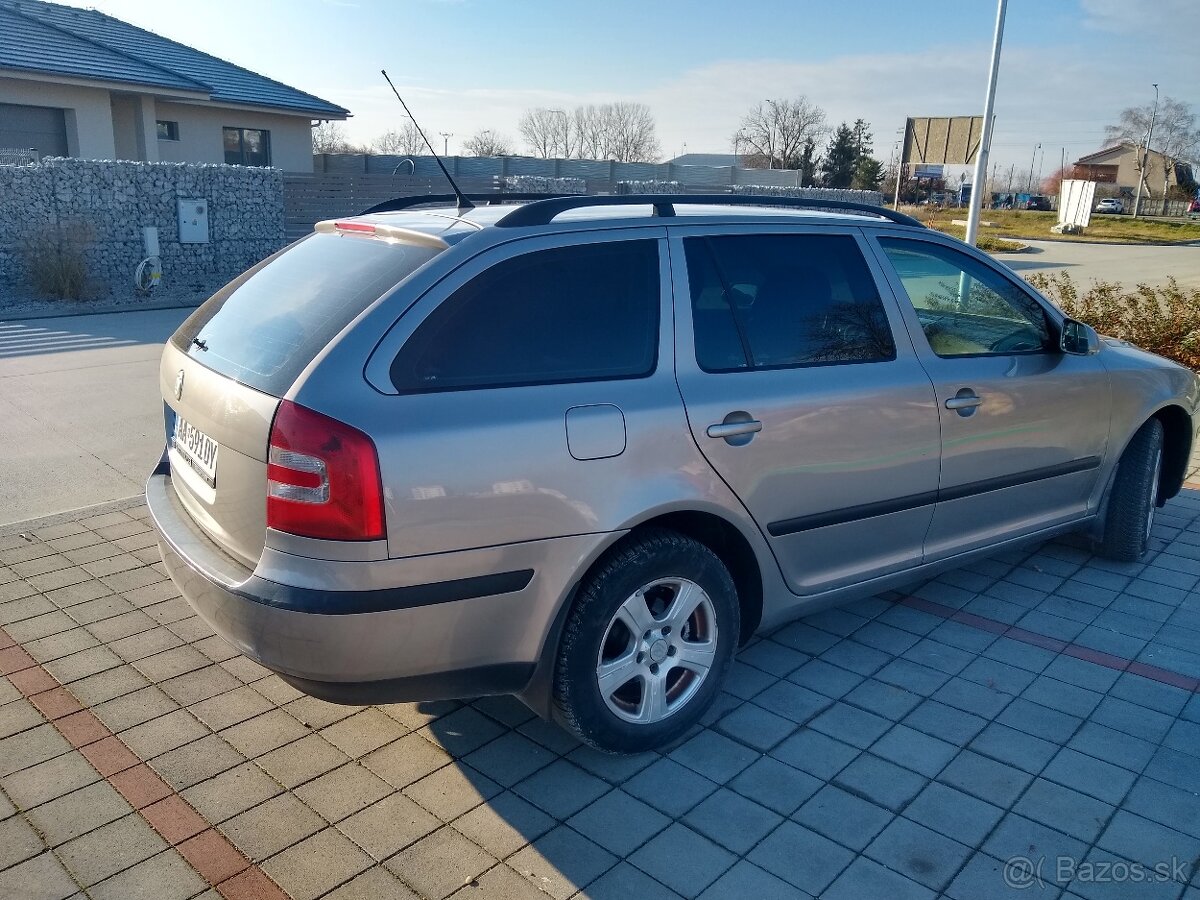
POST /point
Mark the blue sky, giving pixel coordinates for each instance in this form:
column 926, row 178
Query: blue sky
column 1069, row 66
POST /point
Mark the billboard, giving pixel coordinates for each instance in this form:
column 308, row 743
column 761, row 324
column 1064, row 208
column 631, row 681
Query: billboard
column 1075, row 203
column 952, row 140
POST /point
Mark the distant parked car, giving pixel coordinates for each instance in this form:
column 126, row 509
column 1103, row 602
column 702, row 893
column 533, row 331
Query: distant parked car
column 1110, row 205
column 1194, row 209
column 1038, row 201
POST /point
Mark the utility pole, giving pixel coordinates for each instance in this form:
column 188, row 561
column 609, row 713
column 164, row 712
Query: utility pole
column 1032, row 162
column 446, row 135
column 1137, row 203
column 985, row 145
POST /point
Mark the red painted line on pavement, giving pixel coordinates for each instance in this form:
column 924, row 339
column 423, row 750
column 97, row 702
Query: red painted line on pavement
column 1056, row 645
column 208, row 851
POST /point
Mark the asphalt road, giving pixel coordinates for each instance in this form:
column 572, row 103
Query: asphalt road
column 81, row 419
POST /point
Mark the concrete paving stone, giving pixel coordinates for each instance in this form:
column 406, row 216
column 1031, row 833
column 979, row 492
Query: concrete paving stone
column 150, row 594
column 373, row 884
column 101, row 608
column 195, row 762
column 983, row 878
column 1082, row 674
column 1112, row 746
column 837, row 621
column 6, row 808
column 504, row 824
column 501, row 882
column 733, row 821
column 230, row 793
column 1153, row 573
column 78, row 812
column 1027, row 576
column 107, row 685
column 1166, row 804
column 915, row 750
column 110, row 849
column 126, row 625
column 411, row 758
column 714, row 756
column 776, row 785
column 824, row 678
column 1191, row 712
column 134, row 708
column 792, row 701
column 92, row 552
column 452, row 790
column 746, row 681
column 1106, row 876
column 1038, row 720
column 508, row 759
column 940, row 657
column 866, row 878
column 561, row 789
column 343, row 791
column 1067, row 810
column 191, row 629
column 215, row 648
column 1147, row 842
column 753, row 725
column 998, row 676
column 557, row 740
column 843, row 817
column 301, row 761
column 1019, row 836
column 237, row 705
column 1066, row 607
column 815, row 753
column 772, row 658
column 669, row 787
column 1052, row 626
column 157, row 736
column 918, row 853
column 200, row 684
column 945, row 722
column 906, row 618
column 440, row 863
column 59, row 645
column 882, row 782
column 1132, row 719
column 985, row 778
column 1111, row 642
column 266, row 829
column 856, row 657
column 613, row 769
column 663, row 859
column 111, row 565
column 79, row 665
column 419, row 714
column 317, row 714
column 40, row 565
column 28, row 748
column 269, row 731
column 748, row 880
column 18, row 842
column 801, row 857
column 885, row 700
column 316, row 865
column 1014, row 747
column 1184, row 736
column 994, row 608
column 8, row 693
column 971, row 697
column 1067, row 698
column 1175, row 769
column 167, row 612
column 23, row 603
column 952, row 813
column 1089, row 775
column 459, row 733
column 147, row 643
column 48, row 780
column 624, row 881
column 40, row 878
column 1143, row 608
column 17, row 716
column 40, row 626
column 388, row 825
column 850, row 725
column 886, row 638
column 619, row 822
column 1080, row 590
column 170, row 663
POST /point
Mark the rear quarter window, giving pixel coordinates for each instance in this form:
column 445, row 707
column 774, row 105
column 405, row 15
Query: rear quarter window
column 264, row 327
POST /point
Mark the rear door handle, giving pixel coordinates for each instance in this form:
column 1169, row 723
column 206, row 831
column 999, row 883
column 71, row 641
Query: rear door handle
column 733, row 429
column 964, row 402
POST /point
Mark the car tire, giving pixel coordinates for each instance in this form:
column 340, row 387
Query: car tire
column 1131, row 505
column 646, row 644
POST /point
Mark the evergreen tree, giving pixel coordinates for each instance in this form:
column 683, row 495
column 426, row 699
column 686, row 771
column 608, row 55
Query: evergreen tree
column 808, row 163
column 868, row 174
column 837, row 167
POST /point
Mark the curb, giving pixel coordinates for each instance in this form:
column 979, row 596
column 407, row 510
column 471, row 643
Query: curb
column 72, row 515
column 76, row 309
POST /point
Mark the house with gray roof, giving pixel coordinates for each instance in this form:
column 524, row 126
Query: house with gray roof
column 76, row 82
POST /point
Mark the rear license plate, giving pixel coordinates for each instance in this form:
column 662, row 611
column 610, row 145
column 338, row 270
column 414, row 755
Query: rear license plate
column 197, row 449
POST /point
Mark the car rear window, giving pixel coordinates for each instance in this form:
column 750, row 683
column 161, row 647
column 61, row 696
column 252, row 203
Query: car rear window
column 264, row 327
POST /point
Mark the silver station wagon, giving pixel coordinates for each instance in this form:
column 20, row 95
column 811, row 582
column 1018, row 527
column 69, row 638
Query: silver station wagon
column 580, row 449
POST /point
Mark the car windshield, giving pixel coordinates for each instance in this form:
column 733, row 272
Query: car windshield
column 264, row 327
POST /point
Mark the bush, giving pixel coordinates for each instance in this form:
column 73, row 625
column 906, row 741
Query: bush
column 56, row 259
column 1164, row 320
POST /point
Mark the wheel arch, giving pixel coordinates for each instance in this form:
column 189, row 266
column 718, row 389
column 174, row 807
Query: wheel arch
column 1177, row 448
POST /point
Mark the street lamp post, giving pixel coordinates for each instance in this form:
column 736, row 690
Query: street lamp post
column 985, row 145
column 446, row 135
column 1137, row 203
column 1029, row 180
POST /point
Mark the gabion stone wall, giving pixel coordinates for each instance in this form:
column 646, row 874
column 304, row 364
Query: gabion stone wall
column 537, row 184
column 875, row 198
column 107, row 203
column 649, row 187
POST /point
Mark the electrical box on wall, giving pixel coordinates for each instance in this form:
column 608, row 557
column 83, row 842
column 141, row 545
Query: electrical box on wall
column 193, row 221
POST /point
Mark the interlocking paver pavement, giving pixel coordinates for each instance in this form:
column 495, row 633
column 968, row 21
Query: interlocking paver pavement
column 1040, row 703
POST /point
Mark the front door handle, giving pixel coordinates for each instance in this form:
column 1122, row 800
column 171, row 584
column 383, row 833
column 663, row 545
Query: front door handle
column 964, row 402
column 738, row 428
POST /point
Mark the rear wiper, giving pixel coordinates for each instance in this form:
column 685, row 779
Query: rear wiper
column 199, row 343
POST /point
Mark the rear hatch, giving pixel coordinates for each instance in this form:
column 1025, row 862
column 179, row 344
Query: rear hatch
column 225, row 370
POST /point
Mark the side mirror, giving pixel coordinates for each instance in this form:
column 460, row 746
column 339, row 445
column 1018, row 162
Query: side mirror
column 1078, row 339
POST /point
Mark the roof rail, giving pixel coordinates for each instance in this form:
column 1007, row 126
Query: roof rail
column 543, row 212
column 452, row 199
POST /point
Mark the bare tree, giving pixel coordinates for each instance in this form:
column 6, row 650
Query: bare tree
column 630, row 131
column 1176, row 136
column 405, row 142
column 625, row 132
column 778, row 130
column 488, row 143
column 330, row 137
column 547, row 132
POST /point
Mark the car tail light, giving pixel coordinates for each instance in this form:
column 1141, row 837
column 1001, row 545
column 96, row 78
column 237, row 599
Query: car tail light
column 322, row 478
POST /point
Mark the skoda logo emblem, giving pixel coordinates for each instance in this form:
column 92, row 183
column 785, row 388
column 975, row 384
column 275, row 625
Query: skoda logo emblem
column 179, row 385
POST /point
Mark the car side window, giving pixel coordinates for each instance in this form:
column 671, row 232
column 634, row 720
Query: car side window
column 580, row 313
column 782, row 300
column 965, row 308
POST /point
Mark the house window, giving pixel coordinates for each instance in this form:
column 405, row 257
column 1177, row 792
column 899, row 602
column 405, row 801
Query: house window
column 167, row 131
column 247, row 146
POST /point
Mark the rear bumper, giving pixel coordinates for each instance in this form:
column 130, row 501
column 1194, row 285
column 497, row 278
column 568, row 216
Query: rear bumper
column 426, row 636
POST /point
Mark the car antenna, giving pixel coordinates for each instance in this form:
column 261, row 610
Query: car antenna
column 463, row 202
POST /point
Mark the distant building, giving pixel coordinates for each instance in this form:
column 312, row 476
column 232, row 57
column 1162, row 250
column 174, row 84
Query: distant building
column 707, row 159
column 75, row 82
column 1118, row 165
